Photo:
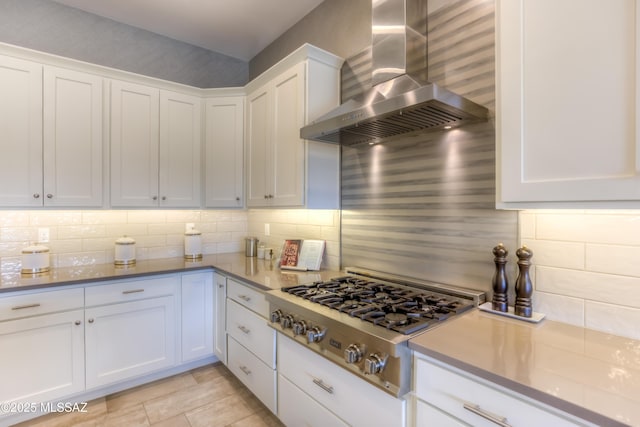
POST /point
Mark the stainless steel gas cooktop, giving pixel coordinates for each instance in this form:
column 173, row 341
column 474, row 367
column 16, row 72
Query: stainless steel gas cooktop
column 363, row 320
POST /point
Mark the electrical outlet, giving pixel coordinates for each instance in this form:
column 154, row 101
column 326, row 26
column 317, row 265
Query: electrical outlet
column 43, row 235
column 267, row 230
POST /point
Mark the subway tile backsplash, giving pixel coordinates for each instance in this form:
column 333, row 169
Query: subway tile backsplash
column 587, row 268
column 88, row 237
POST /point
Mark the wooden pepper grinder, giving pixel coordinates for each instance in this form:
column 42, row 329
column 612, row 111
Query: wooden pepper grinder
column 500, row 282
column 524, row 288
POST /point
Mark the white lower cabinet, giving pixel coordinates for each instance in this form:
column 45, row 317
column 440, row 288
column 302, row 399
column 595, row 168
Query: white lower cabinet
column 296, row 408
column 251, row 348
column 197, row 316
column 350, row 398
column 447, row 396
column 253, row 373
column 220, row 333
column 42, row 357
column 134, row 333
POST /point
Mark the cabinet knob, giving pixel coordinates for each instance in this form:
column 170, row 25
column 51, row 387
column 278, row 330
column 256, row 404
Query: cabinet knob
column 49, row 196
column 271, row 196
column 237, row 199
column 164, row 197
column 36, row 196
column 266, row 196
column 90, row 320
column 77, row 322
column 154, row 198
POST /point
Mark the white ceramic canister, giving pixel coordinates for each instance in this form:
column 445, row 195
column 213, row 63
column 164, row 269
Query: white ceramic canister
column 125, row 251
column 35, row 259
column 193, row 244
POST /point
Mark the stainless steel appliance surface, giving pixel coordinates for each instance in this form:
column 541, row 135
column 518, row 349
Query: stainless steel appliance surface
column 364, row 319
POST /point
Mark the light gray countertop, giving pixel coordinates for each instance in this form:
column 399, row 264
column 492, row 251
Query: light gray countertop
column 590, row 374
column 263, row 274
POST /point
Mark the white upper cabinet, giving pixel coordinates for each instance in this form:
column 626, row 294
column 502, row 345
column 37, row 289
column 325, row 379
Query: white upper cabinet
column 282, row 169
column 73, row 135
column 567, row 103
column 51, row 136
column 180, row 149
column 20, row 132
column 155, row 147
column 223, row 152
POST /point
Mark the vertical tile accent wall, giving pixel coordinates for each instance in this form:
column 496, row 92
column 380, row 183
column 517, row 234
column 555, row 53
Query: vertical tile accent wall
column 424, row 206
column 586, row 267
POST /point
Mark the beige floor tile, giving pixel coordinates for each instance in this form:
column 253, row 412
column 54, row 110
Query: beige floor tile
column 259, row 419
column 149, row 391
column 188, row 399
column 95, row 408
column 220, row 413
column 177, row 421
column 209, row 372
column 133, row 416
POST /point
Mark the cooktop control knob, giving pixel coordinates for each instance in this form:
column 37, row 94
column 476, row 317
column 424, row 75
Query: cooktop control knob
column 286, row 321
column 299, row 327
column 353, row 353
column 374, row 363
column 276, row 315
column 315, row 334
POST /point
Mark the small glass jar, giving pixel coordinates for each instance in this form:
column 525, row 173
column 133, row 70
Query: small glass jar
column 35, row 259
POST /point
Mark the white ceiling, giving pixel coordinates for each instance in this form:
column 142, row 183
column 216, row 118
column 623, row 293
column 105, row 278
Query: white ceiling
column 238, row 28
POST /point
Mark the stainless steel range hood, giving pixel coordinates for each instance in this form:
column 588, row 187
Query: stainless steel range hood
column 401, row 100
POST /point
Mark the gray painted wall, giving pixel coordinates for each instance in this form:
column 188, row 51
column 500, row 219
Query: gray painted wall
column 54, row 28
column 342, row 27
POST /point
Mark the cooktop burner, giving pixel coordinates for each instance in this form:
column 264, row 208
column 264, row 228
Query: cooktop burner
column 395, row 307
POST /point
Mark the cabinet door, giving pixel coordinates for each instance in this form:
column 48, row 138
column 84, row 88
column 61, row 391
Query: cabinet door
column 180, row 150
column 568, row 100
column 134, row 145
column 129, row 340
column 72, row 138
column 259, row 125
column 220, row 334
column 20, row 133
column 287, row 166
column 197, row 316
column 224, row 150
column 42, row 357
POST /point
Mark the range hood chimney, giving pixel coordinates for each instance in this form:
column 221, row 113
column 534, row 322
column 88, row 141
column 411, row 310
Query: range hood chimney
column 401, row 100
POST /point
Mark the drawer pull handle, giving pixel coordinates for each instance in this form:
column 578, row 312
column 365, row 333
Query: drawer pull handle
column 246, row 370
column 20, row 307
column 244, row 297
column 322, row 385
column 501, row 421
column 243, row 329
column 133, row 291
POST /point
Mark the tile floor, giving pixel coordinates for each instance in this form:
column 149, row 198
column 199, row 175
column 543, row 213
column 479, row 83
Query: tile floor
column 207, row 396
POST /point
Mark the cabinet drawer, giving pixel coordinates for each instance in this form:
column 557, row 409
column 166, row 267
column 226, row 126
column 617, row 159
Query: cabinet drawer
column 258, row 377
column 427, row 415
column 473, row 400
column 250, row 298
column 251, row 331
column 296, row 408
column 131, row 290
column 337, row 389
column 15, row 307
